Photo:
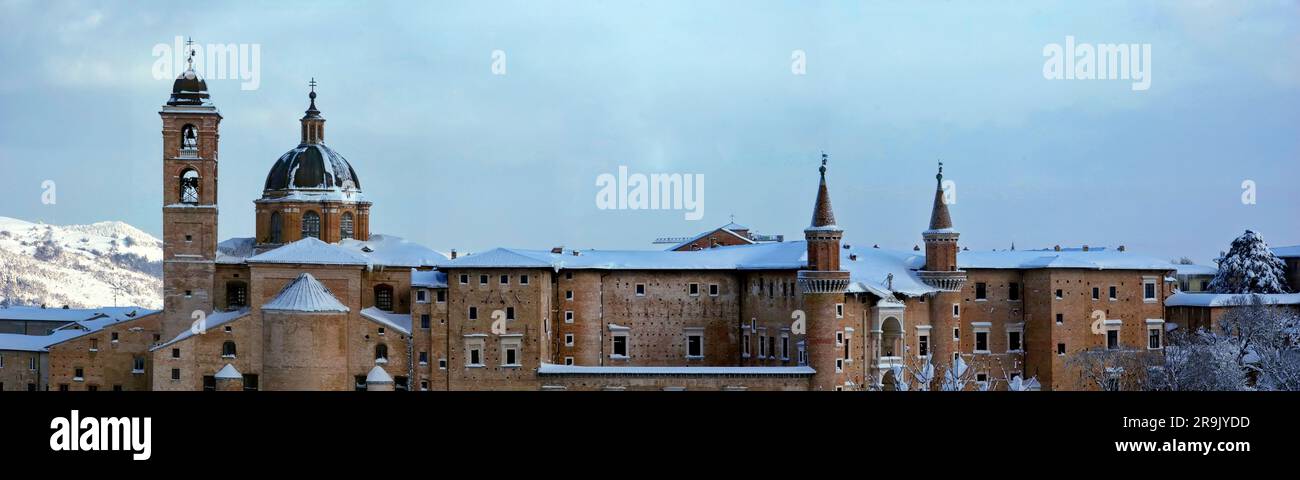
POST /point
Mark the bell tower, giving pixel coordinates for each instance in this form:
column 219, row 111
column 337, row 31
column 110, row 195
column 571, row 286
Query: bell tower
column 822, row 285
column 942, row 274
column 189, row 175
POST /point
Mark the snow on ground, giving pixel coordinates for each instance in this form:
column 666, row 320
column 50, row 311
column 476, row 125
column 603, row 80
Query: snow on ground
column 101, row 264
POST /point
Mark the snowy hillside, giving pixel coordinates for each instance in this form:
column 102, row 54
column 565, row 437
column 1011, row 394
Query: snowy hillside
column 80, row 266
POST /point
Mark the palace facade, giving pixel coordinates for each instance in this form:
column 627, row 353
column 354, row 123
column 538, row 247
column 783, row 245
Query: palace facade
column 315, row 301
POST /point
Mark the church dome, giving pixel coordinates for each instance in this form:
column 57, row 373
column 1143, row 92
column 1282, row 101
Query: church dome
column 189, row 89
column 312, row 167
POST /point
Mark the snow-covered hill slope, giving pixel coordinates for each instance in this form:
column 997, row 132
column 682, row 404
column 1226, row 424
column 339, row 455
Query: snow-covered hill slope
column 82, row 266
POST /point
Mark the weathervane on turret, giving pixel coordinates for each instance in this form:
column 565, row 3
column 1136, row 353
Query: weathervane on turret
column 825, row 157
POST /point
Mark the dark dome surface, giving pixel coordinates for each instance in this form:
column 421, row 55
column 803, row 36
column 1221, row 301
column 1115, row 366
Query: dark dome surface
column 312, row 166
column 189, row 89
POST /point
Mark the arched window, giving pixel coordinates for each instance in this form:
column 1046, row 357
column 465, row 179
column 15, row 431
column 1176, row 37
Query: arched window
column 891, row 337
column 189, row 187
column 228, row 349
column 276, row 224
column 311, row 225
column 345, row 226
column 384, row 297
column 236, row 295
column 381, row 353
column 189, row 137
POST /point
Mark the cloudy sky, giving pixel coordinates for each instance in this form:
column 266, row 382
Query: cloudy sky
column 455, row 156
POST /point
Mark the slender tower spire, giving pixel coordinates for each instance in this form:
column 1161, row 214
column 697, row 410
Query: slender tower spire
column 313, row 125
column 939, row 217
column 941, row 244
column 823, row 216
column 822, row 285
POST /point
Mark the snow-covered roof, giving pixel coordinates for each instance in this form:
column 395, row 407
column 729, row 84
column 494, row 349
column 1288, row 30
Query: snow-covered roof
column 38, row 314
column 1292, row 251
column 388, row 250
column 236, row 250
column 870, row 268
column 428, row 278
column 1185, row 299
column 210, row 321
column 400, row 322
column 228, row 372
column 724, row 229
column 378, row 375
column 312, row 251
column 76, row 328
column 305, row 294
column 1093, row 259
column 1183, row 269
column 768, row 256
column 552, row 369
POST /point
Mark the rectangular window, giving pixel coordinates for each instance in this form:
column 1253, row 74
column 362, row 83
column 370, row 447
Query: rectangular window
column 510, row 313
column 762, row 346
column 1060, row 349
column 1114, row 293
column 568, row 360
column 956, row 310
column 744, row 345
column 176, row 353
column 209, row 383
column 619, row 349
column 523, row 279
column 568, row 294
column 422, row 296
column 464, row 279
column 981, row 291
column 1013, row 292
column 31, row 363
column 1096, row 293
column 1112, row 339
column 981, row 341
column 78, row 373
column 510, row 353
column 1013, row 341
column 505, row 279
column 568, row 316
column 640, row 289
column 693, row 289
column 1060, row 294
column 785, row 346
column 176, row 374
column 137, row 365
column 94, row 344
column 839, row 310
column 956, row 334
column 839, row 338
column 839, row 365
column 923, row 346
column 1153, row 338
column 424, row 320
column 424, row 358
column 442, row 364
column 473, row 313
column 713, row 289
column 1149, row 291
column 1060, row 319
column 568, row 339
column 442, row 296
column 568, row 275
column 695, row 345
column 482, row 279
column 113, row 337
column 474, row 353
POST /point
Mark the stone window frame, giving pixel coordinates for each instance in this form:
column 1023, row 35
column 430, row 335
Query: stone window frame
column 785, row 344
column 616, row 332
column 1019, row 330
column 978, row 328
column 693, row 332
column 981, row 291
column 1114, row 326
column 475, row 343
column 422, row 295
column 523, row 279
column 956, row 310
column 693, row 289
column 714, row 290
column 568, row 361
column 1156, row 325
column 839, row 310
column 568, row 316
column 512, row 342
column 568, row 339
column 1150, row 280
column 923, row 332
column 639, row 289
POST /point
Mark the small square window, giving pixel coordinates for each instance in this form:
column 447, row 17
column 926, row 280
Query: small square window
column 568, row 316
column 442, row 296
column 713, row 289
column 839, row 310
column 1060, row 349
column 1060, row 294
column 473, row 313
column 568, row 294
column 424, row 358
column 505, row 279
column 981, row 291
column 482, row 279
column 1060, row 319
column 176, row 353
column 523, row 279
column 640, row 289
column 510, row 313
column 228, row 329
column 568, row 339
column 176, row 374
column 422, row 296
column 464, row 279
column 442, row 363
column 568, row 360
column 693, row 289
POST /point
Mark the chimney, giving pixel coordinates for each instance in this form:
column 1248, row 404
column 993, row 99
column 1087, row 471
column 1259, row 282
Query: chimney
column 1121, row 248
column 559, row 249
column 1085, row 248
column 453, row 254
column 1057, row 248
column 853, row 257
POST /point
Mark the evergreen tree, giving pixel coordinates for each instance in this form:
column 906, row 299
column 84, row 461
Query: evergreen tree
column 1250, row 267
